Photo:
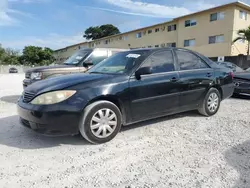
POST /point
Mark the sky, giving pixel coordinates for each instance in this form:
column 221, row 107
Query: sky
column 59, row 23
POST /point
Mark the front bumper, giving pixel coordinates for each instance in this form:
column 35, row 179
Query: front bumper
column 56, row 119
column 242, row 91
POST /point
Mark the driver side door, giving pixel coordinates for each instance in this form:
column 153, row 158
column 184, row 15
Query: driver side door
column 157, row 93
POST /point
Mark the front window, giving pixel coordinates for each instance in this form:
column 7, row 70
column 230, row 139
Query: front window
column 96, row 57
column 120, row 63
column 77, row 57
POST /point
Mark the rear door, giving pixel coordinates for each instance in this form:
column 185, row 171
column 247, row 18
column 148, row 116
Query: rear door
column 195, row 78
column 157, row 93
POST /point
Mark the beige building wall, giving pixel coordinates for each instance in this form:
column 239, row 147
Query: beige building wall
column 239, row 47
column 206, row 28
column 63, row 54
column 201, row 32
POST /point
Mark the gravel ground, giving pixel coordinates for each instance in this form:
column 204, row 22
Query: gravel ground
column 184, row 150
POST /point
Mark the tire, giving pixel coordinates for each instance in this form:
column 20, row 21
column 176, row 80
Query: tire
column 206, row 109
column 93, row 130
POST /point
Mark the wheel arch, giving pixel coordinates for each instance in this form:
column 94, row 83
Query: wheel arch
column 113, row 99
column 218, row 87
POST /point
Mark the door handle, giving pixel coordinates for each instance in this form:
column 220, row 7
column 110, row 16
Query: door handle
column 174, row 79
column 209, row 74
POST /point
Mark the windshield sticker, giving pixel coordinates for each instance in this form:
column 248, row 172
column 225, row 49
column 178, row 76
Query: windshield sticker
column 133, row 55
column 78, row 57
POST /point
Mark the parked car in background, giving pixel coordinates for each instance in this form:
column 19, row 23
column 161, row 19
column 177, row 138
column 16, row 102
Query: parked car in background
column 81, row 61
column 230, row 65
column 126, row 88
column 13, row 70
column 241, row 78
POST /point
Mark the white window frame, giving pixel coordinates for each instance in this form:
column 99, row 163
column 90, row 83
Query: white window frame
column 218, row 39
column 139, row 35
column 243, row 15
column 191, row 42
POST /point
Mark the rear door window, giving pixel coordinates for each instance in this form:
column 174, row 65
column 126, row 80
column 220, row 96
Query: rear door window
column 189, row 61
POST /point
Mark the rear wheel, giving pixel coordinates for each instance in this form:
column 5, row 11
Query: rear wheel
column 211, row 103
column 101, row 122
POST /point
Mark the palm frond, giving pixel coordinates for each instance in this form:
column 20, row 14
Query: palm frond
column 242, row 31
column 238, row 38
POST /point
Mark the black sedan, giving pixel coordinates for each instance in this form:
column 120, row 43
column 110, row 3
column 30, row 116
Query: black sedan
column 13, row 70
column 241, row 79
column 126, row 88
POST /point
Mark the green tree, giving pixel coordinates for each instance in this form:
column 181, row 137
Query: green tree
column 244, row 34
column 100, row 31
column 33, row 55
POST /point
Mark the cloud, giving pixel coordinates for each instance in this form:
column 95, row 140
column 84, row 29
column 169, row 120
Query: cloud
column 29, row 1
column 53, row 40
column 125, row 12
column 157, row 10
column 5, row 18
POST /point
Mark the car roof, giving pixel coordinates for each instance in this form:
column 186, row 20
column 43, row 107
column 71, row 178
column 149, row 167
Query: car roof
column 157, row 49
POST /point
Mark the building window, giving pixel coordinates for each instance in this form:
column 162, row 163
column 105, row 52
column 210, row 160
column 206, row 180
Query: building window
column 149, row 31
column 157, row 30
column 172, row 44
column 243, row 15
column 217, row 16
column 149, row 46
column 189, row 23
column 120, row 38
column 216, row 39
column 106, row 42
column 190, row 42
column 157, row 46
column 139, row 35
column 125, row 37
column 171, row 27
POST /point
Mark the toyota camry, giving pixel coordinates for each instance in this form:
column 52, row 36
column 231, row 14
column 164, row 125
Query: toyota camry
column 128, row 87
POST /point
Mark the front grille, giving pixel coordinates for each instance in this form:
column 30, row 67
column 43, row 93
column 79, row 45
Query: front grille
column 241, row 83
column 27, row 75
column 28, row 96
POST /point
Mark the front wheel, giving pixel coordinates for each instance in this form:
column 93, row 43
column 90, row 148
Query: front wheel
column 101, row 122
column 211, row 103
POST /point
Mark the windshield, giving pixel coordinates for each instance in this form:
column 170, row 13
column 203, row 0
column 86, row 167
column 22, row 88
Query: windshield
column 77, row 57
column 120, row 63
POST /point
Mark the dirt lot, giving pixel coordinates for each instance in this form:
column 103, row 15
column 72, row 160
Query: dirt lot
column 184, row 150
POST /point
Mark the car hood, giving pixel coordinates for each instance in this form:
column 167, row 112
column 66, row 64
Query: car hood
column 62, row 82
column 242, row 75
column 51, row 68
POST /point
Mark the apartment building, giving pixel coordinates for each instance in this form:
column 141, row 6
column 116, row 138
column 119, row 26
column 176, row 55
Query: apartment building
column 209, row 32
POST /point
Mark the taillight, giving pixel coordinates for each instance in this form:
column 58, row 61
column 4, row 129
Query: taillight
column 232, row 75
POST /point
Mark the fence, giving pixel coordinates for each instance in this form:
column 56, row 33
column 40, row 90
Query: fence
column 240, row 60
column 5, row 68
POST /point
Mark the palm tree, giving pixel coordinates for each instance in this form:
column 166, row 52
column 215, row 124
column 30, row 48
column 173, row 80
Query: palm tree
column 244, row 35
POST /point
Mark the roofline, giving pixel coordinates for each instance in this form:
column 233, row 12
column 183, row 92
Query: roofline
column 237, row 3
column 72, row 46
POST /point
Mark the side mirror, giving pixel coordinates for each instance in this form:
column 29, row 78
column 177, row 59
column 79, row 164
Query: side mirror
column 88, row 63
column 142, row 71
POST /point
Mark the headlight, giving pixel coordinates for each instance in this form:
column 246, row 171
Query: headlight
column 36, row 76
column 53, row 97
